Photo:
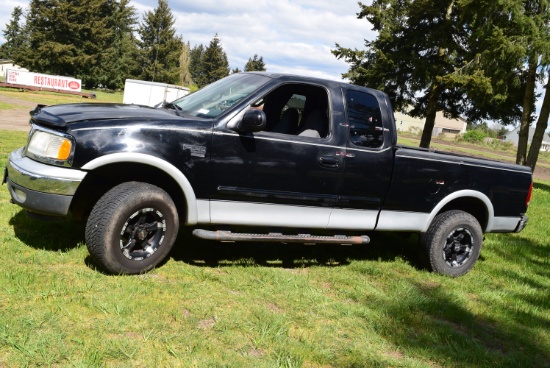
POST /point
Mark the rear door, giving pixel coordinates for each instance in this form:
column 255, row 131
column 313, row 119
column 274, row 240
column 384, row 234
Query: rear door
column 368, row 159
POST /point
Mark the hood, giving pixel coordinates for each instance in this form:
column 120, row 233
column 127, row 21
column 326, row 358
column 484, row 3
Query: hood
column 61, row 115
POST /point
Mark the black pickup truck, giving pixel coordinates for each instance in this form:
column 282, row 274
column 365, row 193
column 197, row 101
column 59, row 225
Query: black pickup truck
column 258, row 157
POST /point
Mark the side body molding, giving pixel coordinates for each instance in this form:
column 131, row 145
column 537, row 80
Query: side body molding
column 168, row 168
column 464, row 194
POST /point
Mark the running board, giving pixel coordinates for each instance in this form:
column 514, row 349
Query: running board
column 228, row 236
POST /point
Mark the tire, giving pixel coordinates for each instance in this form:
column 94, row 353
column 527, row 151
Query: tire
column 453, row 243
column 132, row 228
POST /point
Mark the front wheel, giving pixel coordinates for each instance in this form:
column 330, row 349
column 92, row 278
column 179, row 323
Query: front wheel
column 132, row 228
column 453, row 242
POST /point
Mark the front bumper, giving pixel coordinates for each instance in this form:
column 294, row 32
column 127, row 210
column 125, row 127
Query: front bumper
column 41, row 188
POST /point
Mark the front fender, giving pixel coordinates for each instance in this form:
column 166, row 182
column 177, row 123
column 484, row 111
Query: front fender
column 168, row 168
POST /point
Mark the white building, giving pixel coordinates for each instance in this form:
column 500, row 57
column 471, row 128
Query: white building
column 450, row 127
column 513, row 137
column 6, row 64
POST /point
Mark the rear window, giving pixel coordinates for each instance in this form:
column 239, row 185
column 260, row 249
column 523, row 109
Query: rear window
column 364, row 119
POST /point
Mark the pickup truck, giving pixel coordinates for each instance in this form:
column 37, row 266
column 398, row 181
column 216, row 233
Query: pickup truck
column 258, row 157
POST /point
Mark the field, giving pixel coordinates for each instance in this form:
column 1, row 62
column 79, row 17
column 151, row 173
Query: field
column 274, row 305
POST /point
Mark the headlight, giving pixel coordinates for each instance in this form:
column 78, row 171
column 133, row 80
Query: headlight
column 49, row 147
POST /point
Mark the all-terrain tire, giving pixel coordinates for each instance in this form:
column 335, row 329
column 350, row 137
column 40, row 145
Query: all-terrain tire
column 453, row 243
column 132, row 228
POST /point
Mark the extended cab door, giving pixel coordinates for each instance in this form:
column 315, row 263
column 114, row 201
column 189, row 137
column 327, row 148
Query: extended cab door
column 368, row 157
column 287, row 175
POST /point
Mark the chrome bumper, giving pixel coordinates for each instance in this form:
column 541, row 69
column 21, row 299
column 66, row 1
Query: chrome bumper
column 41, row 188
column 521, row 224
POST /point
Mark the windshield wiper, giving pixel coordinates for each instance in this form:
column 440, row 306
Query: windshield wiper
column 172, row 106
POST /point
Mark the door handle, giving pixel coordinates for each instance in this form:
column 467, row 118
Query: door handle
column 330, row 162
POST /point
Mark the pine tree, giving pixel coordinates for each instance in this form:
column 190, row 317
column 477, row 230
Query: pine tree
column 214, row 64
column 427, row 56
column 120, row 59
column 255, row 64
column 159, row 45
column 14, row 35
column 195, row 63
column 69, row 38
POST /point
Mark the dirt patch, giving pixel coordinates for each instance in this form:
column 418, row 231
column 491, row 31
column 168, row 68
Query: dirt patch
column 15, row 119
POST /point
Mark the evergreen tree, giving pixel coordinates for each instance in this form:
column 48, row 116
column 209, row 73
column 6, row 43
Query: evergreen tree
column 160, row 47
column 255, row 64
column 195, row 63
column 14, row 35
column 214, row 64
column 426, row 56
column 120, row 59
column 236, row 70
column 70, row 38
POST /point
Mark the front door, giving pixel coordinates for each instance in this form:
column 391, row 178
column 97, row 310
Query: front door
column 286, row 176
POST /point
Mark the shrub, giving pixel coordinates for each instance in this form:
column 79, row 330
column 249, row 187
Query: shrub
column 474, row 136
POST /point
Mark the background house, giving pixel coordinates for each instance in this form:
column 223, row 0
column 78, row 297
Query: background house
column 513, row 137
column 6, row 64
column 449, row 127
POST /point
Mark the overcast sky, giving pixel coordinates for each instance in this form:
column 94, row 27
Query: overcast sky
column 293, row 36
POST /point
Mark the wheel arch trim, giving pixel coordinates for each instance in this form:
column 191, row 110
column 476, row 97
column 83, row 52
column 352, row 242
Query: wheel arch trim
column 168, row 168
column 463, row 194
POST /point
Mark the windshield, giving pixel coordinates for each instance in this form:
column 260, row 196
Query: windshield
column 217, row 97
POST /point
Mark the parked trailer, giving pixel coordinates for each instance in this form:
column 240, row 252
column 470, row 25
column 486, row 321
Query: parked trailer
column 145, row 93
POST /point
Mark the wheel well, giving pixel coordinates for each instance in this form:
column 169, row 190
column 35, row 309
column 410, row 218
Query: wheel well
column 98, row 182
column 473, row 206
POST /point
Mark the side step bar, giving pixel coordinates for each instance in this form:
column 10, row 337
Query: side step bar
column 228, row 236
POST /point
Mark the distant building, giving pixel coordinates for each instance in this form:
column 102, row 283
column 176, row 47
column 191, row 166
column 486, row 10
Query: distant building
column 6, row 64
column 513, row 137
column 443, row 125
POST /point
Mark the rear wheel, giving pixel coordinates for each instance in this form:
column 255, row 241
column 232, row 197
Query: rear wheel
column 132, row 228
column 453, row 243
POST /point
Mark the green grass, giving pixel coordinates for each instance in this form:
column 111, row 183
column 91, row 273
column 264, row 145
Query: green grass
column 253, row 305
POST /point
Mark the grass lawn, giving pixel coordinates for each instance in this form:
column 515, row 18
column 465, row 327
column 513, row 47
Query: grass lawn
column 270, row 305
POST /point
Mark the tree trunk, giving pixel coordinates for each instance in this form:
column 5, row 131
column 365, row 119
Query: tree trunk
column 434, row 93
column 528, row 97
column 540, row 130
column 430, row 116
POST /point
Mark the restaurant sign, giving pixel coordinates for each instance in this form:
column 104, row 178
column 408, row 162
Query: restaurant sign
column 14, row 76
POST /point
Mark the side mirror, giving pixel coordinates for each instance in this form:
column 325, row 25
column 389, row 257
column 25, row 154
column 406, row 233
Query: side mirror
column 253, row 121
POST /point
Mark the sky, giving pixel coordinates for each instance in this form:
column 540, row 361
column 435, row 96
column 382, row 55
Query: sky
column 292, row 36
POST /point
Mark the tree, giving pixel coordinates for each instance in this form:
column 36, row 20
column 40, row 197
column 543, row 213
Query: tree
column 255, row 64
column 418, row 46
column 90, row 39
column 122, row 54
column 214, row 64
column 195, row 63
column 159, row 45
column 235, row 70
column 536, row 35
column 185, row 78
column 14, row 35
column 538, row 136
column 426, row 56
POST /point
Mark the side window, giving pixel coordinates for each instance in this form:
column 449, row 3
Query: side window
column 364, row 119
column 296, row 109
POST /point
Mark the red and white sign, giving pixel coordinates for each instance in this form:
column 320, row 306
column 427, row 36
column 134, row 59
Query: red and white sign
column 14, row 76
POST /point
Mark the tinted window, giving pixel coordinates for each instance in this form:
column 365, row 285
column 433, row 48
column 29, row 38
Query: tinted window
column 364, row 119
